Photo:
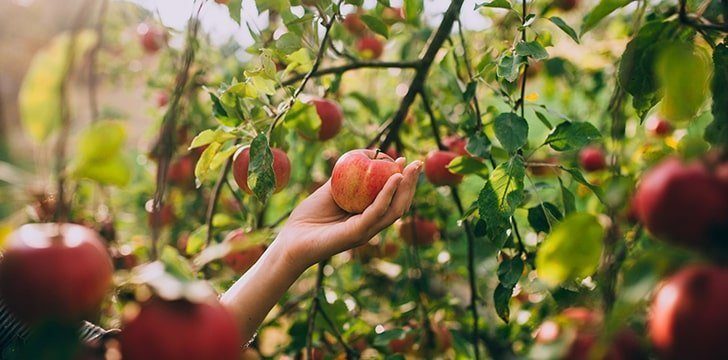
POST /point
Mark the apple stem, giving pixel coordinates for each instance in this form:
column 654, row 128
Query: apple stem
column 376, row 154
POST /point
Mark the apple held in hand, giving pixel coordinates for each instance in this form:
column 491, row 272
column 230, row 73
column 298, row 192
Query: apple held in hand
column 54, row 272
column 684, row 204
column 689, row 317
column 358, row 176
column 332, row 118
column 241, row 256
column 173, row 330
column 436, row 169
column 418, row 231
column 370, row 47
column 281, row 168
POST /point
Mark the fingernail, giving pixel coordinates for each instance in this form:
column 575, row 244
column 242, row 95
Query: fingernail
column 418, row 165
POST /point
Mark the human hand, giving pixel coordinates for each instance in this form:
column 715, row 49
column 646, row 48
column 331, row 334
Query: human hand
column 318, row 228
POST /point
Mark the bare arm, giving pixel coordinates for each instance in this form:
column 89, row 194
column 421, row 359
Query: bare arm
column 316, row 230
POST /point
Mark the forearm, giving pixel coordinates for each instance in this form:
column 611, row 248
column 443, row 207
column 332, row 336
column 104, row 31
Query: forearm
column 255, row 293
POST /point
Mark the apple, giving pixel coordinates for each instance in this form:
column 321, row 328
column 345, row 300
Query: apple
column 171, row 330
column 436, row 170
column 241, row 257
column 566, row 5
column 281, row 168
column 403, row 345
column 352, row 22
column 684, row 204
column 659, row 126
column 151, row 37
column 162, row 99
column 375, row 249
column 370, row 47
column 391, row 14
column 456, row 144
column 250, row 354
column 358, row 176
column 688, row 317
column 331, row 116
column 443, row 337
column 418, row 231
column 181, row 172
column 592, row 159
column 54, row 272
column 391, row 151
column 165, row 217
column 222, row 2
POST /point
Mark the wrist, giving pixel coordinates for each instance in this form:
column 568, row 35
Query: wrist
column 284, row 258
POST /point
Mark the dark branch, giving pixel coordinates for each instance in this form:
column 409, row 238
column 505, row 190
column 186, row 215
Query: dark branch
column 354, row 66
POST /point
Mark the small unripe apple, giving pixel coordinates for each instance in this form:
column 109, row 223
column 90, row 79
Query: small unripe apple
column 689, row 317
column 659, row 126
column 359, row 176
column 162, row 99
column 352, row 22
column 332, row 118
column 456, row 144
column 151, row 37
column 54, row 272
column 436, row 169
column 241, row 257
column 370, row 47
column 181, row 172
column 391, row 15
column 172, row 330
column 566, row 5
column 281, row 168
column 684, row 204
column 592, row 159
column 418, row 231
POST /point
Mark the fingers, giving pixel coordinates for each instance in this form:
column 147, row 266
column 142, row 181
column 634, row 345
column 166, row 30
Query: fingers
column 403, row 197
column 401, row 162
column 373, row 214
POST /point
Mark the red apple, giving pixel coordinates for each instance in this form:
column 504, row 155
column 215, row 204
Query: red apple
column 689, row 317
column 281, row 168
column 403, row 345
column 331, row 116
column 592, row 159
column 57, row 272
column 456, row 144
column 172, row 330
column 151, row 37
column 443, row 337
column 249, row 354
column 659, row 126
column 241, row 257
column 352, row 22
column 181, row 172
column 223, row 2
column 370, row 47
column 684, row 204
column 162, row 99
column 418, row 231
column 165, row 217
column 358, row 176
column 436, row 169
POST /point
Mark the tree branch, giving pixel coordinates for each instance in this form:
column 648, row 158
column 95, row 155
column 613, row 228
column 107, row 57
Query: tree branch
column 354, row 66
column 314, row 308
column 93, row 57
column 221, row 180
column 417, row 84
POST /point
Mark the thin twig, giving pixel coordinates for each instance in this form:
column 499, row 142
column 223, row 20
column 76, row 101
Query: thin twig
column 354, row 66
column 221, row 180
column 350, row 353
column 314, row 308
column 466, row 58
column 169, row 123
column 698, row 22
column 433, row 122
column 93, row 57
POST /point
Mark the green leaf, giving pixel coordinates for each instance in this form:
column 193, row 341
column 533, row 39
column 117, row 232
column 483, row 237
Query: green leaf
column 579, row 177
column 478, row 145
column 531, row 49
column 101, row 140
column 375, row 24
column 221, row 157
column 571, row 251
column 500, row 196
column 509, row 271
column 209, row 136
column 114, row 170
column 501, row 300
column 599, row 12
column 196, row 241
column 288, row 43
column 412, row 10
column 717, row 131
column 511, row 130
column 541, row 220
column 567, row 198
column 683, row 71
column 261, row 178
column 637, row 66
column 203, row 164
column 544, row 120
column 39, row 98
column 303, row 118
column 565, row 28
column 299, row 61
column 234, row 9
column 572, row 135
column 499, row 4
column 508, row 67
column 466, row 165
column 385, row 337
